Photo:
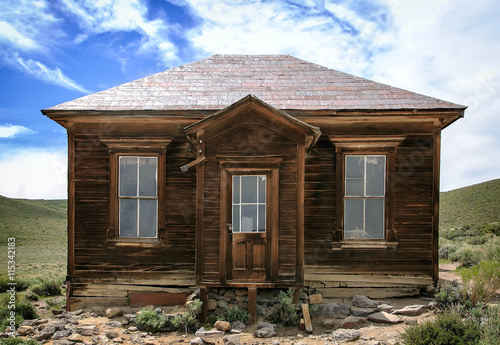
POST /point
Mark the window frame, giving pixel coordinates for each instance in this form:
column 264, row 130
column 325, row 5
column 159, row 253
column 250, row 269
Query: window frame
column 365, row 197
column 365, row 145
column 120, row 146
column 137, row 197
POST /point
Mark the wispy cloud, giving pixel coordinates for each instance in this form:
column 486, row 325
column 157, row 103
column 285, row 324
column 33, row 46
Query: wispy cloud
column 8, row 130
column 334, row 35
column 10, row 34
column 44, row 73
column 124, row 16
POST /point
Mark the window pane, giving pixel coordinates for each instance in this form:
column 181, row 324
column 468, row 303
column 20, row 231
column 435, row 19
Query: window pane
column 375, row 175
column 248, row 189
column 147, row 220
column 147, row 176
column 248, row 218
column 354, row 187
column 262, row 189
column 374, row 218
column 353, row 218
column 128, row 218
column 236, row 189
column 262, row 217
column 128, row 176
column 354, row 166
column 236, row 218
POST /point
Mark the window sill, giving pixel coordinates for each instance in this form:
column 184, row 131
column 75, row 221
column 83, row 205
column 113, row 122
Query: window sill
column 364, row 245
column 134, row 242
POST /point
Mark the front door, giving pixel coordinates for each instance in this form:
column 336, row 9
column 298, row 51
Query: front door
column 248, row 228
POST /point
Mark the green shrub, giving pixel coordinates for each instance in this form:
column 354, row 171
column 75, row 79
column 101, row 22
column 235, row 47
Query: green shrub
column 47, row 288
column 232, row 314
column 212, row 319
column 467, row 256
column 446, row 329
column 18, row 341
column 448, row 295
column 493, row 228
column 189, row 320
column 26, row 310
column 447, row 250
column 151, row 320
column 4, row 322
column 490, row 329
column 480, row 282
column 285, row 312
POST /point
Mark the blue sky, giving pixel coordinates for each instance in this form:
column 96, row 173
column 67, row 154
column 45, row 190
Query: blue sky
column 52, row 51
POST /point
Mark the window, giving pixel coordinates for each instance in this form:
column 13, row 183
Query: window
column 364, row 196
column 138, row 196
column 249, row 203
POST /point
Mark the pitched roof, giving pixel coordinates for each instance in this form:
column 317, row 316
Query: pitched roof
column 283, row 81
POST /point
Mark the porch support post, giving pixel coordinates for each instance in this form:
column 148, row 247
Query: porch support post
column 252, row 305
column 204, row 307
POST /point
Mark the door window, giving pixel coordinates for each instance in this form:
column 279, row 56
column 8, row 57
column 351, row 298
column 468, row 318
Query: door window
column 249, row 203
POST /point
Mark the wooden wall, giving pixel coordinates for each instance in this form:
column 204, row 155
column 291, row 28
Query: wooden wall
column 94, row 257
column 413, row 220
column 254, row 139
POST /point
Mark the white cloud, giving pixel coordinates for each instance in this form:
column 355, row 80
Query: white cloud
column 10, row 34
column 450, row 50
column 8, row 131
column 124, row 15
column 46, row 74
column 33, row 173
column 330, row 34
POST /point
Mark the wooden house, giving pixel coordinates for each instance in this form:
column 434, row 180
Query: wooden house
column 250, row 172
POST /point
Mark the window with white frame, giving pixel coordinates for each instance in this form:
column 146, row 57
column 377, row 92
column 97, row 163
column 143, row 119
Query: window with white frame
column 138, row 196
column 364, row 196
column 249, row 203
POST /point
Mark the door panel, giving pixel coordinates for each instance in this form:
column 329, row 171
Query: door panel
column 249, row 257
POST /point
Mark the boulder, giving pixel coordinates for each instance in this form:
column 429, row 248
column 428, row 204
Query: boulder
column 197, row 341
column 86, row 330
column 232, row 340
column 209, row 334
column 345, row 335
column 42, row 336
column 385, row 307
column 241, row 292
column 61, row 334
column 383, row 317
column 222, row 326
column 353, row 322
column 362, row 312
column 212, row 304
column 117, row 340
column 222, row 304
column 316, row 299
column 266, row 325
column 238, row 325
column 62, row 342
column 112, row 334
column 25, row 330
column 76, row 338
column 265, row 332
column 412, row 310
column 364, row 302
column 328, row 323
column 336, row 310
column 112, row 312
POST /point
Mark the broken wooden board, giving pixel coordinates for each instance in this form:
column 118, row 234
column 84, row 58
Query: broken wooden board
column 307, row 318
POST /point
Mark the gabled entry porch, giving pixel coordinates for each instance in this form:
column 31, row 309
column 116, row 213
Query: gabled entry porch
column 250, row 195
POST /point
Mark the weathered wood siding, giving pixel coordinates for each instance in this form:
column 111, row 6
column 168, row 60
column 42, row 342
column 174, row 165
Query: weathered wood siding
column 413, row 217
column 251, row 139
column 172, row 257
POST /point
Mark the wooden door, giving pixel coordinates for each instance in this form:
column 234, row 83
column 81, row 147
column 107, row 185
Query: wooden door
column 249, row 228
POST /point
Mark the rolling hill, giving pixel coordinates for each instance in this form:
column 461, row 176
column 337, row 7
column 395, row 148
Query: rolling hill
column 472, row 205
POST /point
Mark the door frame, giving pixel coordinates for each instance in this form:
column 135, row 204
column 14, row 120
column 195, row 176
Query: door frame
column 250, row 165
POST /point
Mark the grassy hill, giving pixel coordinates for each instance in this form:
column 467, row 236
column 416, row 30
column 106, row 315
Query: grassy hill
column 39, row 227
column 473, row 205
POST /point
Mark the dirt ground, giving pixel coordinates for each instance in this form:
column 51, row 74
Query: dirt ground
column 373, row 334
